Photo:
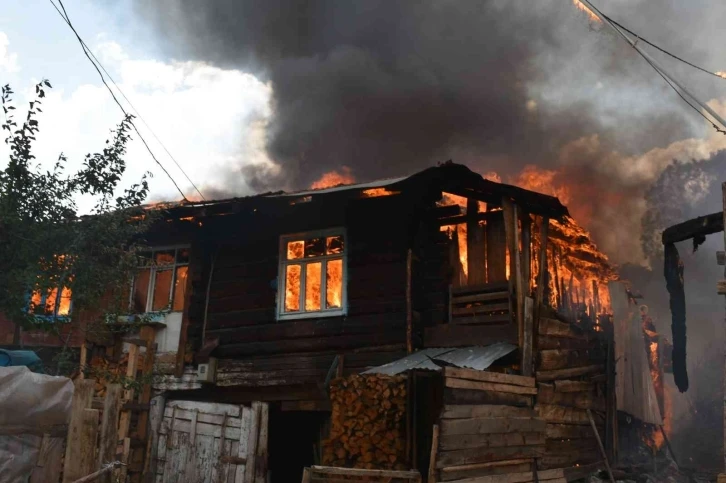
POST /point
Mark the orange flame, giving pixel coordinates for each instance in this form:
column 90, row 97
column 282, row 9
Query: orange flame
column 591, row 15
column 721, row 74
column 376, row 192
column 334, row 178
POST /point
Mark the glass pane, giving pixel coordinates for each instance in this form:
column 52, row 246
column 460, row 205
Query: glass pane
column 334, row 245
column 50, row 301
column 295, row 249
column 313, row 272
column 292, row 288
column 165, row 257
column 182, row 255
column 64, row 308
column 141, row 290
column 180, row 285
column 162, row 290
column 315, row 247
column 334, row 284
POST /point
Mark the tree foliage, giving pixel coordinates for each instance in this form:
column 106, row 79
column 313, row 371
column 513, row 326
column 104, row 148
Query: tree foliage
column 46, row 243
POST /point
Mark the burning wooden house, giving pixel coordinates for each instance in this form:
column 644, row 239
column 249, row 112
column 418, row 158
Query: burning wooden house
column 439, row 322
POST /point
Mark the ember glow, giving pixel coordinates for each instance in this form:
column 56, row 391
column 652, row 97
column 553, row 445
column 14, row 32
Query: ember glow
column 376, row 192
column 334, row 178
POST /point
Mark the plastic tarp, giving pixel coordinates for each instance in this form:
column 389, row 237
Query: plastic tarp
column 21, row 358
column 30, row 405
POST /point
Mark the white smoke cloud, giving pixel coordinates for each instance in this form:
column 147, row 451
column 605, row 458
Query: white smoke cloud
column 8, row 60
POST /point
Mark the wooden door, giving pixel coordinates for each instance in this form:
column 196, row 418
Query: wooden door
column 202, row 442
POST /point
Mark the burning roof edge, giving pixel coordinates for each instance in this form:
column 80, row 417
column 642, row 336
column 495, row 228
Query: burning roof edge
column 449, row 177
column 432, row 359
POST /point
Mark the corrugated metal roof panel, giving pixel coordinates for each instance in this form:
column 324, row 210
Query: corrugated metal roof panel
column 475, row 357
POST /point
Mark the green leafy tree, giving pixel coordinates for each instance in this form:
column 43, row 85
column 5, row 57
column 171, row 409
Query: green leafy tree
column 46, row 245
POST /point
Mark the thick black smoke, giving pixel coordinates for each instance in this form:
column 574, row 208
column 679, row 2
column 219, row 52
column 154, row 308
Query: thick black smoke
column 387, row 87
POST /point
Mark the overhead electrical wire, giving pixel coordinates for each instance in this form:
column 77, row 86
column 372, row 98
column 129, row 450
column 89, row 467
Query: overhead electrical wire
column 94, row 61
column 682, row 92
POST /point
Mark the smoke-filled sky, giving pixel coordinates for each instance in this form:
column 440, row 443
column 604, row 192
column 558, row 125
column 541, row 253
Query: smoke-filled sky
column 389, row 87
column 251, row 96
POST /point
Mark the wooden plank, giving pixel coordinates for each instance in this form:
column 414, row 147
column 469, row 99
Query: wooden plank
column 496, row 286
column 82, row 398
column 246, row 421
column 124, row 424
column 485, row 469
column 567, row 431
column 476, row 245
column 560, row 414
column 205, row 407
column 470, row 396
column 194, row 258
column 50, row 460
column 109, row 429
column 481, row 297
column 550, row 342
column 434, row 452
column 485, row 411
column 487, row 376
column 252, row 437
column 556, row 328
column 455, row 383
column 482, row 455
column 202, row 417
column 305, row 406
column 86, row 462
column 479, row 309
column 214, row 430
column 545, row 476
column 491, row 425
column 156, row 416
column 482, row 319
column 581, row 400
column 492, row 440
column 571, row 372
column 329, row 470
column 125, row 458
column 553, row 359
column 573, row 386
column 262, row 454
column 528, row 337
column 148, row 334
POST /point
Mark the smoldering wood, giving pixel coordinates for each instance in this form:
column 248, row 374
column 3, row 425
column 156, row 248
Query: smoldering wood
column 696, row 227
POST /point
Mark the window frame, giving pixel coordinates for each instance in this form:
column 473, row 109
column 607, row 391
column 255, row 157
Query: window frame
column 152, row 278
column 303, row 262
column 54, row 316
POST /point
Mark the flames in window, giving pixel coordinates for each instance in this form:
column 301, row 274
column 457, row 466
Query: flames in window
column 40, row 305
column 314, row 282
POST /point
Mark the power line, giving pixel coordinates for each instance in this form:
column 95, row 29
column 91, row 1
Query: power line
column 680, row 90
column 715, row 74
column 65, row 17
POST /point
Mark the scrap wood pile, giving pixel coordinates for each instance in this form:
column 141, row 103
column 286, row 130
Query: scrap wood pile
column 571, row 378
column 489, row 429
column 367, row 424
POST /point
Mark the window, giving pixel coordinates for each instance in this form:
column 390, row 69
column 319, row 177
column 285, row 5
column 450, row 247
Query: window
column 50, row 305
column 161, row 283
column 312, row 275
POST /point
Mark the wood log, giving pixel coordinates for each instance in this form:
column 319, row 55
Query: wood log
column 560, row 414
column 573, row 386
column 488, row 386
column 553, row 359
column 488, row 376
column 485, row 411
column 580, row 400
column 555, row 328
column 491, row 425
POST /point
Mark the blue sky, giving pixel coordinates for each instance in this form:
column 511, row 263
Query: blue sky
column 207, row 117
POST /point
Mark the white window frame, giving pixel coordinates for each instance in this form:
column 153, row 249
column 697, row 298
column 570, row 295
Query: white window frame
column 152, row 277
column 281, row 276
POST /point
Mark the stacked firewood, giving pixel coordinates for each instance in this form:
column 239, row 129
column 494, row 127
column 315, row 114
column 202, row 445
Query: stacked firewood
column 571, row 378
column 367, row 422
column 104, row 372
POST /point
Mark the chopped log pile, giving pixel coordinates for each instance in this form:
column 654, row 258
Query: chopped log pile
column 105, row 371
column 571, row 378
column 367, row 423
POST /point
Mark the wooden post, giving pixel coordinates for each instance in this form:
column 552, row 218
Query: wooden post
column 82, row 397
column 254, row 431
column 181, row 349
column 84, row 360
column 109, row 429
column 526, row 221
column 409, row 302
column 434, row 451
column 542, row 275
column 156, row 416
column 475, row 245
column 86, row 462
column 528, row 342
column 261, row 459
column 516, row 283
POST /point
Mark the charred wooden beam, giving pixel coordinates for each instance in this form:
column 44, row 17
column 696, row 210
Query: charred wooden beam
column 694, row 228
